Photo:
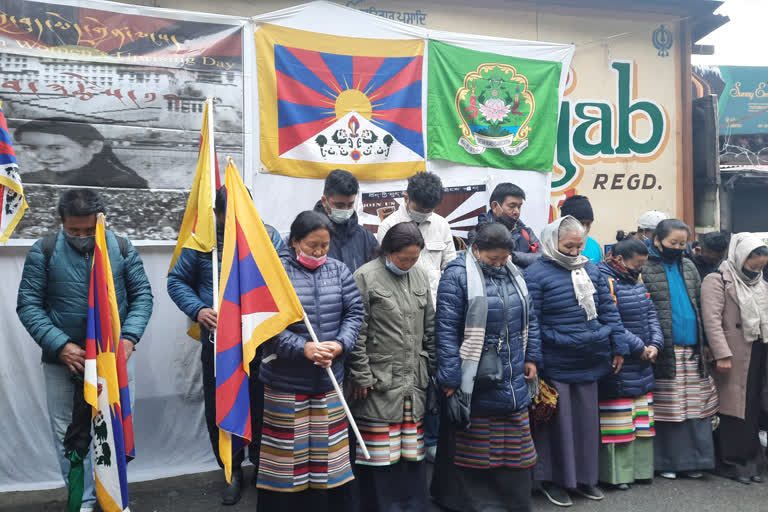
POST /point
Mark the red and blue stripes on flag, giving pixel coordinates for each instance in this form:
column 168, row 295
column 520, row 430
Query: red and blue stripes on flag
column 106, row 383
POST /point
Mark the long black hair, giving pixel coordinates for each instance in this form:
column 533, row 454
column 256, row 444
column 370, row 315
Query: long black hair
column 305, row 223
column 400, row 236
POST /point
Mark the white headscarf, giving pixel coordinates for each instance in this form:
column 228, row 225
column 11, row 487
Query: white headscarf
column 752, row 293
column 582, row 284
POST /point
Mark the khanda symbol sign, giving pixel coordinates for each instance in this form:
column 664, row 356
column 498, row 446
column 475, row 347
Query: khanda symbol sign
column 662, row 40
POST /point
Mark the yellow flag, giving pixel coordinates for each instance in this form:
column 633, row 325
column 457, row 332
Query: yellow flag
column 198, row 228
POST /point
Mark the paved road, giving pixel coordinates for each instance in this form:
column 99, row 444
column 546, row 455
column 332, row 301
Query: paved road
column 199, row 493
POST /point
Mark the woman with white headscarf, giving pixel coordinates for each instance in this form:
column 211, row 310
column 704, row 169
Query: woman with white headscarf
column 583, row 340
column 734, row 303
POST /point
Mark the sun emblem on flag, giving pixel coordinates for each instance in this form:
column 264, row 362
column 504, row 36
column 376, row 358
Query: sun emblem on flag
column 347, row 109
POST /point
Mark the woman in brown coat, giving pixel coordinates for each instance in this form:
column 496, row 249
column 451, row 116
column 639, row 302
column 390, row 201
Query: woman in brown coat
column 734, row 303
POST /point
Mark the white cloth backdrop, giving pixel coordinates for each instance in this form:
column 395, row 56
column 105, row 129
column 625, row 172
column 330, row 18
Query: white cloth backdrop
column 329, row 18
column 170, row 433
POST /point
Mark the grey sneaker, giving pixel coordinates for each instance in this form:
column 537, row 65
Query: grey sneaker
column 556, row 494
column 591, row 492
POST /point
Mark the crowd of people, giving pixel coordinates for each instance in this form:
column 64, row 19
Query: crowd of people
column 522, row 363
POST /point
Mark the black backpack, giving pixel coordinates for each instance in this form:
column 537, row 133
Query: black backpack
column 48, row 244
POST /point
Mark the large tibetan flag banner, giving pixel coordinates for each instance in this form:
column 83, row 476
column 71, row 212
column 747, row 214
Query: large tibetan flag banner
column 198, row 227
column 330, row 101
column 256, row 302
column 106, row 384
column 12, row 201
column 492, row 110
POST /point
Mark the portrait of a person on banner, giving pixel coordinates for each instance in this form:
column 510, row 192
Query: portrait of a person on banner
column 60, row 151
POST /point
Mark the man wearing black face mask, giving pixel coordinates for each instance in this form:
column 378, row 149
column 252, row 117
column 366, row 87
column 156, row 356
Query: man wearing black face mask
column 52, row 304
column 506, row 204
column 190, row 286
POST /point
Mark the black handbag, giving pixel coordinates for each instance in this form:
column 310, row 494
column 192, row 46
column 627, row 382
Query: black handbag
column 490, row 371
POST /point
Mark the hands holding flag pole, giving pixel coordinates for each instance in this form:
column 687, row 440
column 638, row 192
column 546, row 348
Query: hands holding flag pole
column 256, row 302
column 331, row 376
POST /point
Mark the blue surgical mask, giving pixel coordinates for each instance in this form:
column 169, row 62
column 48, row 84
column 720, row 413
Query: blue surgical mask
column 395, row 269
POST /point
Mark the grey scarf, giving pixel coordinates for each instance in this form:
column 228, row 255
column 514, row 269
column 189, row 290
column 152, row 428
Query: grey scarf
column 474, row 333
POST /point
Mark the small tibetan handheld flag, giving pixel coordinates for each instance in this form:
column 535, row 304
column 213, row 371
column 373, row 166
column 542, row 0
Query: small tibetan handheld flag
column 106, row 384
column 256, row 302
column 198, row 227
column 12, row 202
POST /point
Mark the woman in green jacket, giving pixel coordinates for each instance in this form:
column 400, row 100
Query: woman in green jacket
column 389, row 370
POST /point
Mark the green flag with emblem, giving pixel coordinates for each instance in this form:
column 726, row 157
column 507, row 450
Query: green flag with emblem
column 491, row 110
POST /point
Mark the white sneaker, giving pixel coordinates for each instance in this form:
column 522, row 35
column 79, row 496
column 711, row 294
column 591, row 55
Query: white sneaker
column 670, row 475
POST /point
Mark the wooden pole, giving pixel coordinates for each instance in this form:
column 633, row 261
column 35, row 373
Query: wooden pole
column 335, row 383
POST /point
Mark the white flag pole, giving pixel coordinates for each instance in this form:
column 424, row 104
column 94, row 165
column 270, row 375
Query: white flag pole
column 335, row 383
column 215, row 252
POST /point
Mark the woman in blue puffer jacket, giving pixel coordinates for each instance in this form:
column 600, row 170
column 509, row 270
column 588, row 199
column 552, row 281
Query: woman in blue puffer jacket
column 582, row 340
column 626, row 401
column 488, row 347
column 304, row 461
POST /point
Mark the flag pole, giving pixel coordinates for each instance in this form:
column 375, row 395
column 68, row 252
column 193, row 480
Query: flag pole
column 215, row 251
column 335, row 383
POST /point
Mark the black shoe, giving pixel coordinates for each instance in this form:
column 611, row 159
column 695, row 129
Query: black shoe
column 591, row 492
column 757, row 479
column 741, row 479
column 231, row 492
column 556, row 494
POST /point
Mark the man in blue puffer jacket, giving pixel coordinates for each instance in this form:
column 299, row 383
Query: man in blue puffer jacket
column 626, row 403
column 52, row 305
column 190, row 286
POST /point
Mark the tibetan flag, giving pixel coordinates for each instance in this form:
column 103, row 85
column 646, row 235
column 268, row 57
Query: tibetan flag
column 106, row 384
column 329, row 102
column 12, row 202
column 492, row 110
column 198, row 227
column 256, row 302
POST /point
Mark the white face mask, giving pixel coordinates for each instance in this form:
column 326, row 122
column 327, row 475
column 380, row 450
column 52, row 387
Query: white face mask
column 340, row 216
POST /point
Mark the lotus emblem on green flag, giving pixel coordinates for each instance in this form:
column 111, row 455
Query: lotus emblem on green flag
column 491, row 110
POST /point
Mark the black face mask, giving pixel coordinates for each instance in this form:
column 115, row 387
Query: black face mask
column 633, row 273
column 491, row 270
column 82, row 244
column 670, row 255
column 750, row 274
column 507, row 222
